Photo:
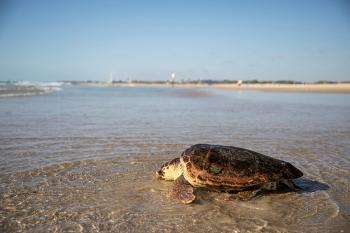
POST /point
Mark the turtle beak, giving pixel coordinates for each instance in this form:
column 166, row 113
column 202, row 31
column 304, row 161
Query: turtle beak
column 159, row 175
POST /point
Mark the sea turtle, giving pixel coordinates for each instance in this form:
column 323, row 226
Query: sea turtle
column 226, row 168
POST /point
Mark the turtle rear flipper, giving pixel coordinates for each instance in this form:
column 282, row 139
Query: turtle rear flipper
column 248, row 195
column 291, row 185
column 182, row 191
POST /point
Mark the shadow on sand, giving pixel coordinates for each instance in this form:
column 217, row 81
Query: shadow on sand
column 310, row 186
column 304, row 185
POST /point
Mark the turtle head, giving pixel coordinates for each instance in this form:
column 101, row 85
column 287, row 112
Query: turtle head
column 170, row 170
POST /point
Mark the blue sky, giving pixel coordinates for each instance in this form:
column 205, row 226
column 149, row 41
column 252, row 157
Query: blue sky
column 148, row 40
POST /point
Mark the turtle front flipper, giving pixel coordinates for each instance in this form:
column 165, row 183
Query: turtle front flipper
column 182, row 191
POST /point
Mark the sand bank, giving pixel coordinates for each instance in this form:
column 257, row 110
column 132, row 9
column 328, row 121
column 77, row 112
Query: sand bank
column 322, row 88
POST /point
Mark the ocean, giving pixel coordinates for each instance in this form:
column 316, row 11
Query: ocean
column 83, row 158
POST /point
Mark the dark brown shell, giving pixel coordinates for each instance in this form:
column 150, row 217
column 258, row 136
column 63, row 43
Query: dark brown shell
column 233, row 166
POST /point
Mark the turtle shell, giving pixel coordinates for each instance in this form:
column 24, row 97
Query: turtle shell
column 228, row 167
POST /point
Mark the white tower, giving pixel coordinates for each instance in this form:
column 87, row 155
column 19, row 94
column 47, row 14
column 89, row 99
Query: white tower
column 172, row 81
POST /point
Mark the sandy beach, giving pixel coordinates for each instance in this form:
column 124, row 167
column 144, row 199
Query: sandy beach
column 323, row 88
column 310, row 87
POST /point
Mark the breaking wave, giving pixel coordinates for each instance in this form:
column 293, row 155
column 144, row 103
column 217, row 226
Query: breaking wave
column 28, row 88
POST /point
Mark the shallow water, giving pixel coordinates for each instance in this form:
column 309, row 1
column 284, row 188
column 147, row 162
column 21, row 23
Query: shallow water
column 83, row 159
